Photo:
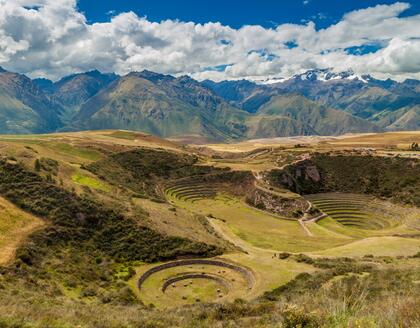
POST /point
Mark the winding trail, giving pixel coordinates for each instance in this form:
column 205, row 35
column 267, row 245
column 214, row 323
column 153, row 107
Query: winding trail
column 305, row 228
column 260, row 184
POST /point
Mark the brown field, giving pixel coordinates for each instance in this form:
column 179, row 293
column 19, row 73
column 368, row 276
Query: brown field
column 381, row 140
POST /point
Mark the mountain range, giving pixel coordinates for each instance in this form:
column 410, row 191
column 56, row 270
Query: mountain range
column 318, row 102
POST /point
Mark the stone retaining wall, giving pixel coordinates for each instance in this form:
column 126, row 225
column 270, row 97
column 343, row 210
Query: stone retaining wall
column 246, row 273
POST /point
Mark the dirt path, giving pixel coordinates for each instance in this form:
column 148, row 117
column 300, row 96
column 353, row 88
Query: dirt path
column 261, row 185
column 305, row 228
column 15, row 239
column 317, row 218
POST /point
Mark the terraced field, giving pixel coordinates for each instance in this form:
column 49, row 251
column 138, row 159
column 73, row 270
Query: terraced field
column 191, row 190
column 258, row 236
column 194, row 280
column 354, row 211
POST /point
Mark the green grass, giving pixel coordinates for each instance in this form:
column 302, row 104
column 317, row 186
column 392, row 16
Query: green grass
column 60, row 148
column 260, row 228
column 76, row 151
column 90, row 182
column 128, row 135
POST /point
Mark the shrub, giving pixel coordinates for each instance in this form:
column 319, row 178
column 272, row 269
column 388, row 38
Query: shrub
column 297, row 317
column 304, row 258
column 284, row 255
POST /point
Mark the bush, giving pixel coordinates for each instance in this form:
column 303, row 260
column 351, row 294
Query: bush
column 304, row 258
column 284, row 255
column 297, row 317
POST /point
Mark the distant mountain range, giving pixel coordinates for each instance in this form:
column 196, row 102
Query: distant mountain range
column 318, row 102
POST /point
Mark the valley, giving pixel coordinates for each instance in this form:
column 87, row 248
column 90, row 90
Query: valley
column 129, row 228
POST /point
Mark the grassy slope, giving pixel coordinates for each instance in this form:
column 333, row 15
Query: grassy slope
column 16, row 117
column 90, row 181
column 176, row 221
column 313, row 118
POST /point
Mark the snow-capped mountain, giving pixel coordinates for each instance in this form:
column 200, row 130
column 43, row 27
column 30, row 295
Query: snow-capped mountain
column 323, row 75
column 328, row 74
column 379, row 101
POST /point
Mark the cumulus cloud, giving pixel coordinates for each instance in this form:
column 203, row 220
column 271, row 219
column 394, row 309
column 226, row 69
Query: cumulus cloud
column 52, row 38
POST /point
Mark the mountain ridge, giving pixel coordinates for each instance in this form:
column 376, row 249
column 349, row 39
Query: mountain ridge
column 319, row 102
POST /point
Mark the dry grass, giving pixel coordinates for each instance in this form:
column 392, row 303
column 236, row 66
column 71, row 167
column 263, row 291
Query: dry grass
column 176, row 221
column 377, row 246
column 15, row 225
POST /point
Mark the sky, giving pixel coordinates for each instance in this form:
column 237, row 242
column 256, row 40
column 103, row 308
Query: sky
column 234, row 13
column 229, row 39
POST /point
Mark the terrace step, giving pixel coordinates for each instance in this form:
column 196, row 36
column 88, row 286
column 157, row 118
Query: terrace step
column 186, row 191
column 350, row 210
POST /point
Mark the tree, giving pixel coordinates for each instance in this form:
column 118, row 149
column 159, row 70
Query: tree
column 414, row 146
column 37, row 165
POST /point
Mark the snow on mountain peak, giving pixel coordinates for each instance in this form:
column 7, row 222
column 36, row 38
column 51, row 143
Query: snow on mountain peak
column 328, row 74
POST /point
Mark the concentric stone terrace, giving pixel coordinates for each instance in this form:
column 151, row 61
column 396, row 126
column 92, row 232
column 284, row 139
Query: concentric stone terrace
column 356, row 211
column 194, row 280
column 192, row 189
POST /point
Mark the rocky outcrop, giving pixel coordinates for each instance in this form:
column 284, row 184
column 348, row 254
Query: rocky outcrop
column 304, row 177
column 286, row 207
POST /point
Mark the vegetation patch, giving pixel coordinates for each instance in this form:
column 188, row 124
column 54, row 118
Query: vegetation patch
column 76, row 151
column 90, row 182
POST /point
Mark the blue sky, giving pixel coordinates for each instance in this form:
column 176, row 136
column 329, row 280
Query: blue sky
column 229, row 39
column 234, row 13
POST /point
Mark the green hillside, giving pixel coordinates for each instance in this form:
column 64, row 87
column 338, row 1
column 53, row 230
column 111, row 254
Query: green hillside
column 317, row 119
column 16, row 117
column 164, row 108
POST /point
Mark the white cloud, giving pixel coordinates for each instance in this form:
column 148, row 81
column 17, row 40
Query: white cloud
column 51, row 38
